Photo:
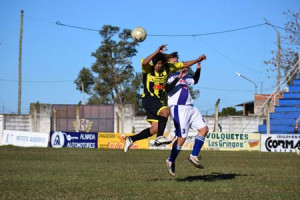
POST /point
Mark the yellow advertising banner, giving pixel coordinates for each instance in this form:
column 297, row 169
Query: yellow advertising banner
column 116, row 141
column 232, row 141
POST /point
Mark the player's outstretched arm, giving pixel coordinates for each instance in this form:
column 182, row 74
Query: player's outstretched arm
column 196, row 76
column 192, row 62
column 160, row 49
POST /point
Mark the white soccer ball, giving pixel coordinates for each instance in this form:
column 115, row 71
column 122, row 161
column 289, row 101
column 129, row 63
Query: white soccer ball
column 298, row 150
column 138, row 34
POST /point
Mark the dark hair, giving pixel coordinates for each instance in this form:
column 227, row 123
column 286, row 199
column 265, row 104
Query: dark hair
column 174, row 55
column 171, row 55
column 159, row 57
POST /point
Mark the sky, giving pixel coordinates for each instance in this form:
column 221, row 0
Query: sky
column 53, row 55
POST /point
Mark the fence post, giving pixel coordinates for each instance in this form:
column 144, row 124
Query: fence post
column 216, row 117
column 268, row 117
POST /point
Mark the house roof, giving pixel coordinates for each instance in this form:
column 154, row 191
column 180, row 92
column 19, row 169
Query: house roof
column 245, row 103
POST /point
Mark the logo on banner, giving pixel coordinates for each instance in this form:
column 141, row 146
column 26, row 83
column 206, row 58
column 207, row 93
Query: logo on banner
column 278, row 144
column 58, row 140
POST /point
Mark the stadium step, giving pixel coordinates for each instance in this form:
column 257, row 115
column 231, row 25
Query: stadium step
column 283, row 119
column 289, row 102
column 296, row 82
column 276, row 128
column 294, row 88
column 291, row 95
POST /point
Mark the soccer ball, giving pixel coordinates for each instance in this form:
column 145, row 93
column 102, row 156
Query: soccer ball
column 138, row 34
column 298, row 150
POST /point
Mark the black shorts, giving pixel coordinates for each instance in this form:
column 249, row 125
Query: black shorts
column 153, row 106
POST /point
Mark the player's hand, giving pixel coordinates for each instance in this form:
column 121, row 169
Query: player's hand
column 182, row 72
column 162, row 48
column 198, row 65
column 202, row 57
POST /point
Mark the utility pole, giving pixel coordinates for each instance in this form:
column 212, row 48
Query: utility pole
column 278, row 56
column 20, row 63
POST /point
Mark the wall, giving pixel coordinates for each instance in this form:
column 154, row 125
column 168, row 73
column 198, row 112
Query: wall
column 17, row 122
column 40, row 116
column 240, row 124
column 1, row 127
column 39, row 120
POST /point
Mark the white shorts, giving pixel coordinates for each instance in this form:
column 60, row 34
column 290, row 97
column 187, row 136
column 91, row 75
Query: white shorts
column 186, row 117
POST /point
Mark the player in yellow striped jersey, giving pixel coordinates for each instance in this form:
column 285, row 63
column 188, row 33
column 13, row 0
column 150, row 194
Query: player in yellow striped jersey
column 154, row 98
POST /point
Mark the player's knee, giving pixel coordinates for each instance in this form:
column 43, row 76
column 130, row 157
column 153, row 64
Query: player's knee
column 203, row 131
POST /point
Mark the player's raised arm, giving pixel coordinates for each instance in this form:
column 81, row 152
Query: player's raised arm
column 196, row 76
column 160, row 49
column 190, row 63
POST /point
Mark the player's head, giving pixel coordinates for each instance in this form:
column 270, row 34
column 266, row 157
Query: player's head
column 158, row 61
column 173, row 57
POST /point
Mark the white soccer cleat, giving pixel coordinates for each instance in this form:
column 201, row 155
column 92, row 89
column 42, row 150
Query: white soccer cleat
column 170, row 167
column 128, row 144
column 195, row 161
column 298, row 150
column 161, row 140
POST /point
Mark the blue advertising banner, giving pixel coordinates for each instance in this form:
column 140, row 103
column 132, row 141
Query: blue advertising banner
column 60, row 139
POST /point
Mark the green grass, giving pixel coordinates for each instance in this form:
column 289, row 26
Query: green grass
column 46, row 173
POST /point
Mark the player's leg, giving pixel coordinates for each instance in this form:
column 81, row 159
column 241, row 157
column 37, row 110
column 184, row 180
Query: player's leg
column 199, row 141
column 181, row 125
column 148, row 132
column 163, row 115
column 198, row 123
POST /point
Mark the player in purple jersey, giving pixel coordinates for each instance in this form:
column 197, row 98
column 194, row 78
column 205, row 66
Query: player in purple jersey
column 185, row 115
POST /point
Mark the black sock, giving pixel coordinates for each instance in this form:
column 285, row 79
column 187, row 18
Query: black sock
column 142, row 135
column 162, row 122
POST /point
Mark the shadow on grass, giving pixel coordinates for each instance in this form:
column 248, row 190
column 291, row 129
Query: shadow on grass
column 210, row 177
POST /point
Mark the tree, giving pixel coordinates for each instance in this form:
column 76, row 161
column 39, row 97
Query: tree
column 194, row 92
column 290, row 45
column 230, row 111
column 115, row 81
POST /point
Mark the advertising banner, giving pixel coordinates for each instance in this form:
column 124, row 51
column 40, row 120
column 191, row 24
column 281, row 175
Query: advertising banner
column 60, row 139
column 232, row 141
column 217, row 141
column 116, row 141
column 280, row 143
column 25, row 139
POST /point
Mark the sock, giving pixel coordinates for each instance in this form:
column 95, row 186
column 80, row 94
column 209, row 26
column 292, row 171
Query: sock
column 199, row 141
column 162, row 122
column 174, row 152
column 142, row 135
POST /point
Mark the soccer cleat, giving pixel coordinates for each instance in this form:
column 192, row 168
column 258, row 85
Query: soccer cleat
column 195, row 161
column 170, row 167
column 128, row 144
column 161, row 140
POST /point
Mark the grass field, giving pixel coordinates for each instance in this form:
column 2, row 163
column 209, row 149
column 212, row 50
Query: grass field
column 46, row 173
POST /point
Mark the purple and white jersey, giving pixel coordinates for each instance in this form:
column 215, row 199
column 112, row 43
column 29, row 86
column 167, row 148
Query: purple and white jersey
column 180, row 94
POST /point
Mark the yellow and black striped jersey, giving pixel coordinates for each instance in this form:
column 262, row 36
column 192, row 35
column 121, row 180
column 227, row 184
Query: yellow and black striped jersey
column 154, row 82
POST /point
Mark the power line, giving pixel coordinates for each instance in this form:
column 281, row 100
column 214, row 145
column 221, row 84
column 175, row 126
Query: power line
column 78, row 27
column 219, row 89
column 212, row 33
column 171, row 35
column 38, row 81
